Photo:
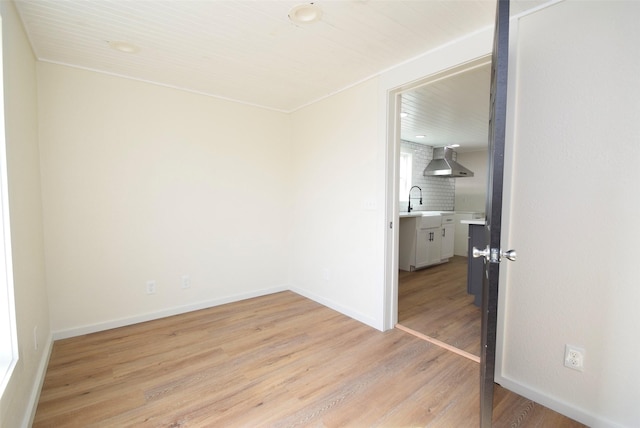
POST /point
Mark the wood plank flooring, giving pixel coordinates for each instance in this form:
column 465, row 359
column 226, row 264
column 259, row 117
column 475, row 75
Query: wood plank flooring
column 434, row 302
column 275, row 361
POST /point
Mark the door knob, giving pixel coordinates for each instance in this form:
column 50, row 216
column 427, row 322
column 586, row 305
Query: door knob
column 492, row 254
column 481, row 253
column 511, row 255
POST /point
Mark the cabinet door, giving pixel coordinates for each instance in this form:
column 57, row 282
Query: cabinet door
column 433, row 245
column 428, row 243
column 448, row 232
column 422, row 244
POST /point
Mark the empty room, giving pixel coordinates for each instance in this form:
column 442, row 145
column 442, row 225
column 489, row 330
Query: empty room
column 202, row 204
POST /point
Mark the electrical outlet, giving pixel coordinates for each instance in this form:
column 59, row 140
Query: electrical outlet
column 35, row 338
column 186, row 282
column 151, row 287
column 574, row 357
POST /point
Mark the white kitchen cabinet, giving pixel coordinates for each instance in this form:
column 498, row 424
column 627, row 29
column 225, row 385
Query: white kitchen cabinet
column 421, row 258
column 428, row 247
column 420, row 242
column 447, row 233
column 446, row 247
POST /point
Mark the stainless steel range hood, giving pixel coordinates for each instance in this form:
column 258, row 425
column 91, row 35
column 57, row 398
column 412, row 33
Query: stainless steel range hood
column 443, row 165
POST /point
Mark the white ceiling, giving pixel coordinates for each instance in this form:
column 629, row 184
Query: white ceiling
column 452, row 110
column 249, row 51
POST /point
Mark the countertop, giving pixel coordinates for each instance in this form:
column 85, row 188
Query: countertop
column 404, row 214
column 480, row 222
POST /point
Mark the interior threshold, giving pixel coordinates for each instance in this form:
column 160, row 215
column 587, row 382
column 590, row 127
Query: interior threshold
column 439, row 343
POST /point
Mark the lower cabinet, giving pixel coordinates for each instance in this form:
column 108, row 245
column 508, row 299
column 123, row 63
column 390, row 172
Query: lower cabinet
column 448, row 231
column 425, row 241
column 428, row 247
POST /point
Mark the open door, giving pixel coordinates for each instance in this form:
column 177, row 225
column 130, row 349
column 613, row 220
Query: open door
column 493, row 253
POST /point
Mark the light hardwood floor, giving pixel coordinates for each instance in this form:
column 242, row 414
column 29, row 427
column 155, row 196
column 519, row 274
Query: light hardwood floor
column 277, row 361
column 434, row 302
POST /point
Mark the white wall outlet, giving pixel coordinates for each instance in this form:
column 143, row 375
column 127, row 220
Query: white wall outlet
column 186, row 282
column 35, row 338
column 574, row 357
column 151, row 287
column 326, row 274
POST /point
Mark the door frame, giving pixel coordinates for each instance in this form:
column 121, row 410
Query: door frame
column 392, row 119
column 393, row 81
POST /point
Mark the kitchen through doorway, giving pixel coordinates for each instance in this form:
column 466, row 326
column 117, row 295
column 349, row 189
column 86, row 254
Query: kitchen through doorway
column 451, row 111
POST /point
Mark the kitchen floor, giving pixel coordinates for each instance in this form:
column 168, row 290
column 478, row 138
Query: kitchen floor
column 434, row 302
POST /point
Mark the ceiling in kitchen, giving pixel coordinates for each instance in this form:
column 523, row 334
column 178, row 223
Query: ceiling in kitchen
column 248, row 51
column 452, row 110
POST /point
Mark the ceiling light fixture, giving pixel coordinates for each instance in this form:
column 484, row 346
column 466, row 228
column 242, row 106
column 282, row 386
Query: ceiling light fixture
column 125, row 47
column 404, row 114
column 419, row 136
column 305, row 13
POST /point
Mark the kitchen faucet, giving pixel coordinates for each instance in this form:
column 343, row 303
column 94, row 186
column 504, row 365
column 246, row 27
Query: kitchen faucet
column 409, row 210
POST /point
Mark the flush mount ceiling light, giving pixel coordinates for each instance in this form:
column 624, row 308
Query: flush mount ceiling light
column 420, row 136
column 404, row 114
column 305, row 13
column 125, row 47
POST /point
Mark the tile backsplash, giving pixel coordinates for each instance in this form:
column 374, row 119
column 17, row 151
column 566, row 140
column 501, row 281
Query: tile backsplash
column 438, row 193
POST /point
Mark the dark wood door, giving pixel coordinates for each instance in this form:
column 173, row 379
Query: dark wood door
column 492, row 253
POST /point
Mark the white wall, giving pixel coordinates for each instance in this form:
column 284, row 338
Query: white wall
column 471, row 192
column 143, row 182
column 574, row 212
column 32, row 309
column 336, row 253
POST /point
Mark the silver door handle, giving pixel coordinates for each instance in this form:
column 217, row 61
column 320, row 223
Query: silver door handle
column 481, row 253
column 492, row 255
column 510, row 254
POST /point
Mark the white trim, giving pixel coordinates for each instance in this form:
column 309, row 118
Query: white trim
column 177, row 310
column 165, row 85
column 122, row 322
column 391, row 137
column 36, row 389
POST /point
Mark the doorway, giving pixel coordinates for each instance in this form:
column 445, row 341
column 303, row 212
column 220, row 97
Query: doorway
column 448, row 108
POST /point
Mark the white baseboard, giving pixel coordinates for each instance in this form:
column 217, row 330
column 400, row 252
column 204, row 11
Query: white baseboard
column 36, row 388
column 573, row 412
column 336, row 307
column 107, row 325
